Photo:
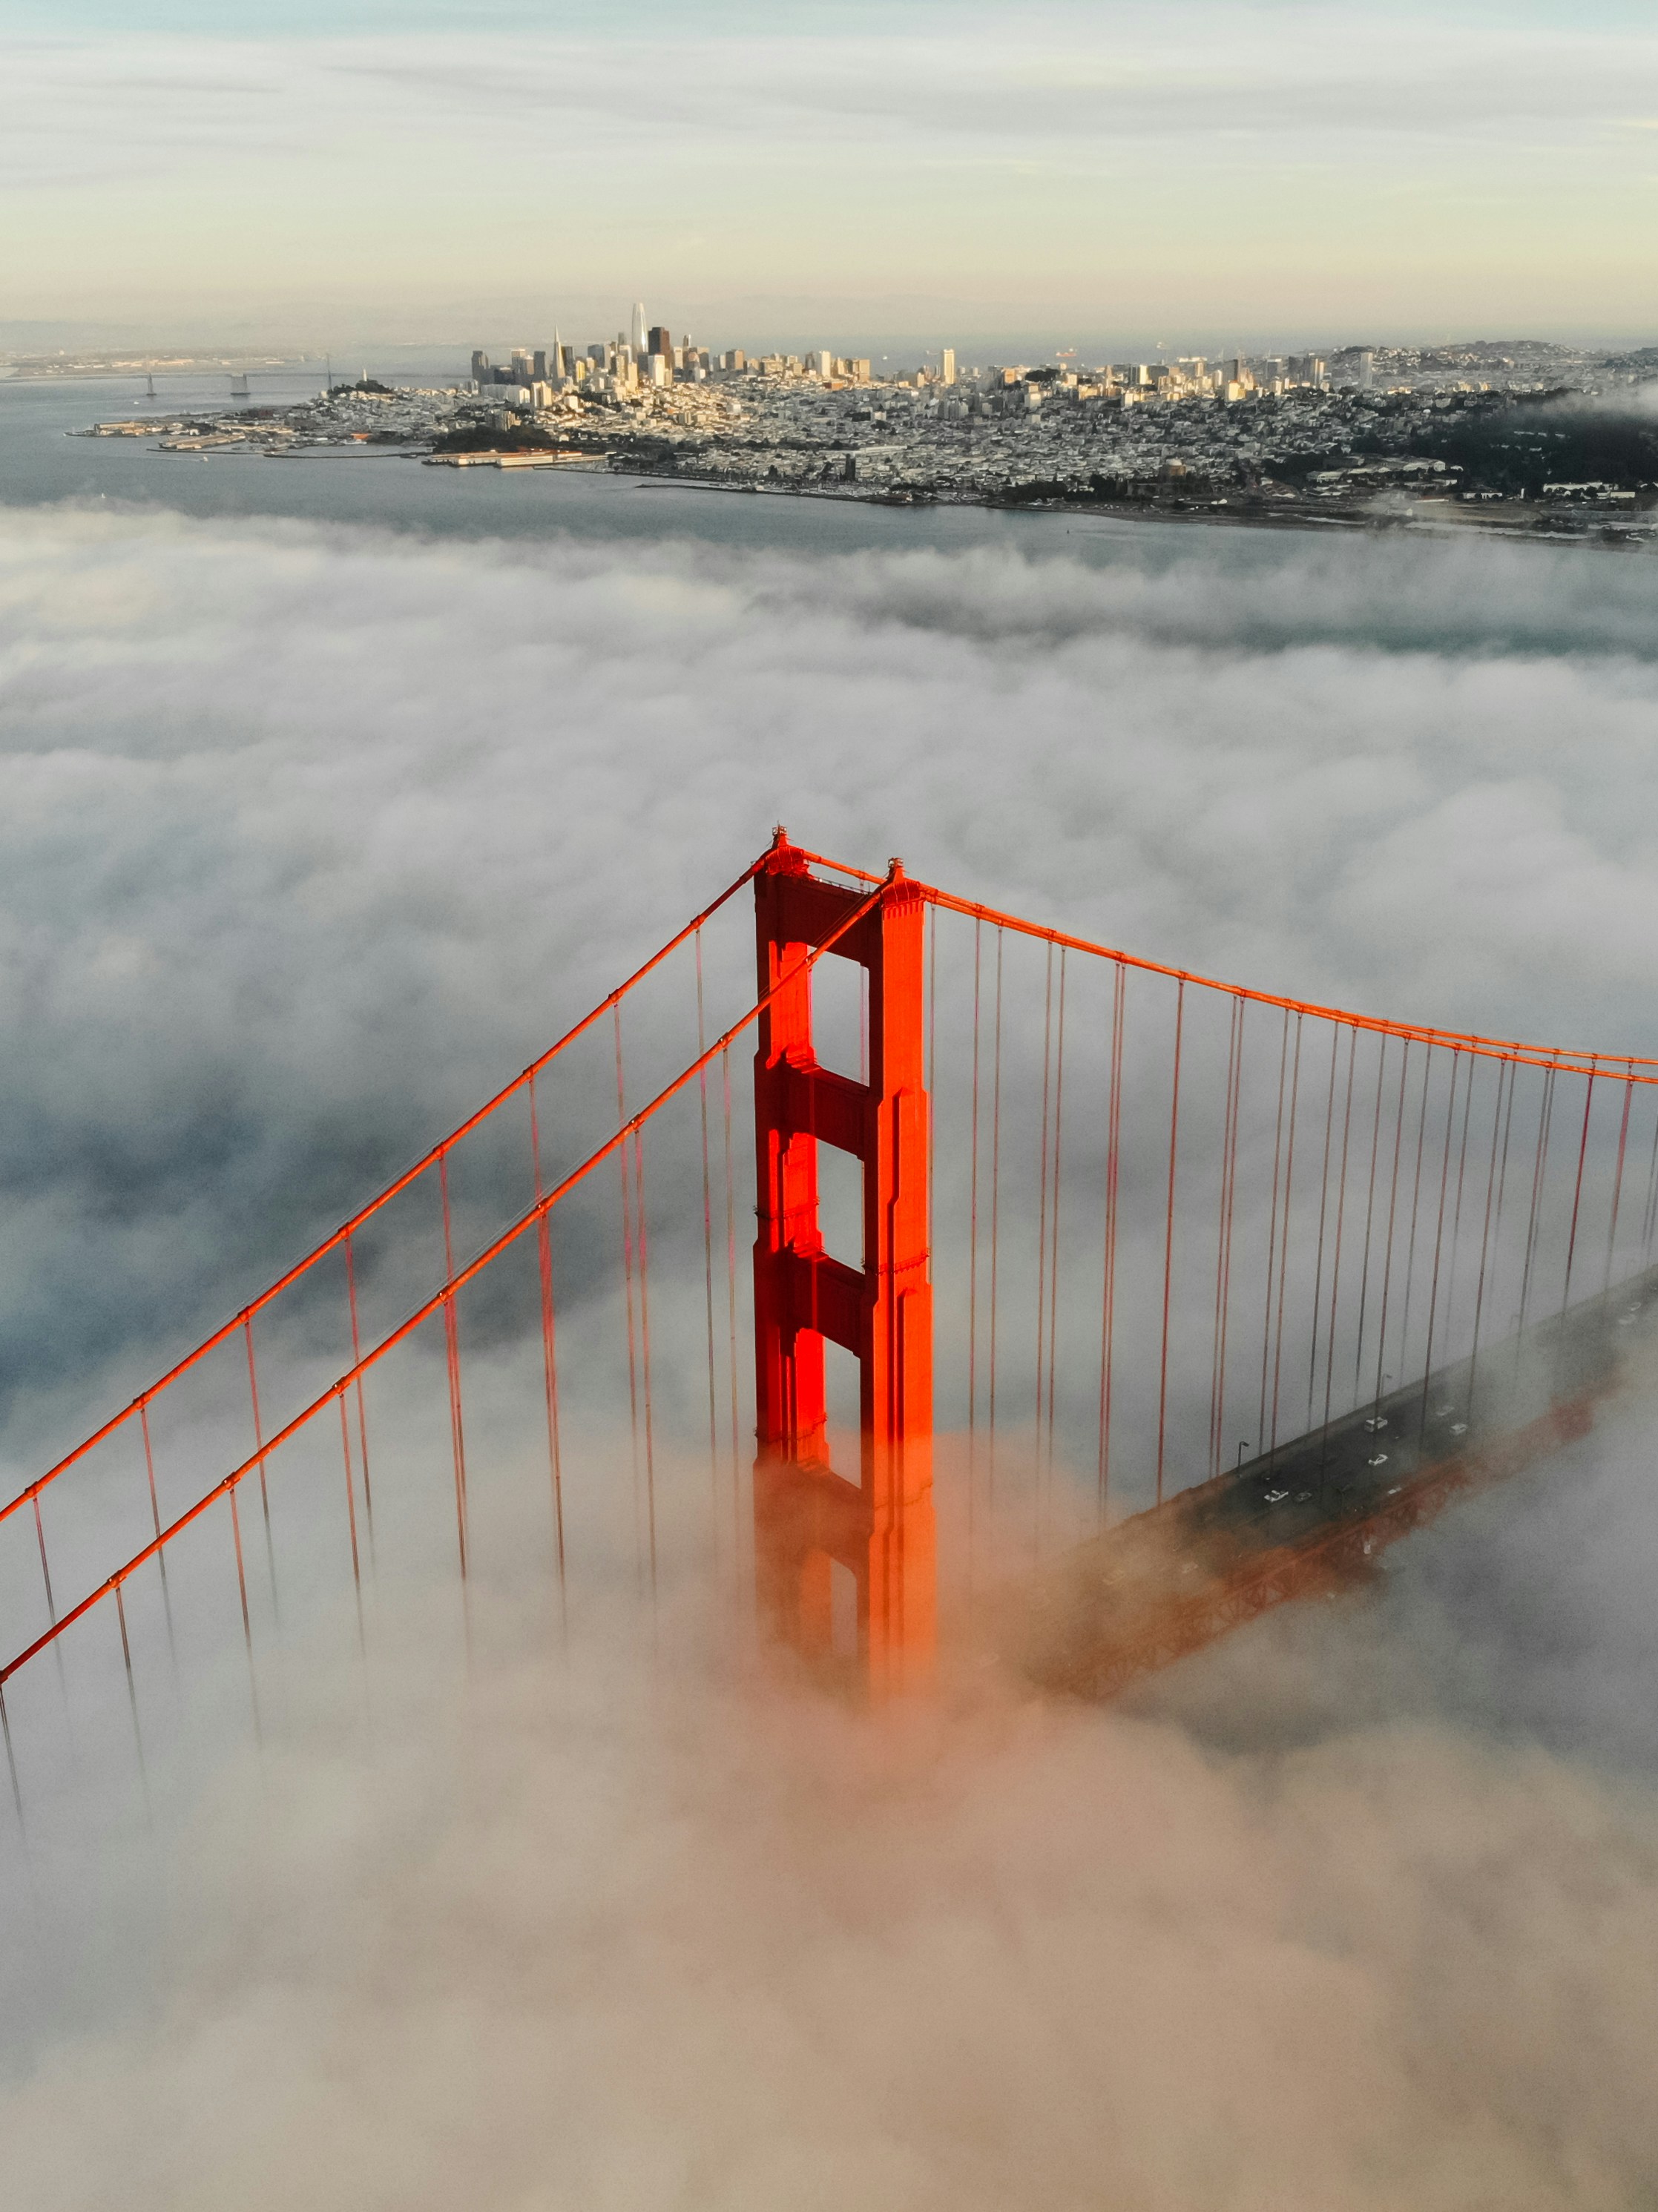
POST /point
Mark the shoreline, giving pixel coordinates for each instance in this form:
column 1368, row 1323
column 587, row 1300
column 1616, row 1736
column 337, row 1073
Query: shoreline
column 1599, row 535
column 1513, row 523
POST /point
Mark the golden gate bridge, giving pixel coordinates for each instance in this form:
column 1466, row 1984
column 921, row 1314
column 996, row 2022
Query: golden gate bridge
column 1093, row 1308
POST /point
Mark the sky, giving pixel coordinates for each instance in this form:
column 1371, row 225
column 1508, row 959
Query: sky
column 1206, row 172
column 312, row 835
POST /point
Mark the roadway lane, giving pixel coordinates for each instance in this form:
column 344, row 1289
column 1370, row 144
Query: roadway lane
column 1310, row 1514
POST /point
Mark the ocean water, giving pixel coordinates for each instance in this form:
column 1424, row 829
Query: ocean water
column 1460, row 593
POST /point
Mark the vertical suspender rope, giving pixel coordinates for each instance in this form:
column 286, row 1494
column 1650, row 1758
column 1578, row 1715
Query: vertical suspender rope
column 995, row 1208
column 972, row 1271
column 351, row 1519
column 1041, row 1247
column 1370, row 1219
column 1221, row 1218
column 1439, row 1233
column 1220, row 1239
column 11, row 1770
column 264, row 1491
column 1539, row 1171
column 1618, row 1179
column 1505, row 1075
column 1284, row 1239
column 730, row 1294
column 1650, row 1213
column 1416, row 1203
column 708, row 1249
column 627, row 1279
column 644, row 1343
column 1228, row 1212
column 1053, row 1242
column 550, row 1360
column 51, row 1607
column 1168, row 1233
column 132, row 1697
column 1444, row 1200
column 452, row 1349
column 1109, row 1300
column 1393, row 1203
column 247, row 1624
column 1503, row 1171
column 1335, row 1263
column 1456, row 1210
column 362, row 1412
column 1323, row 1210
column 46, row 1569
column 1577, row 1187
column 155, row 1523
column 1272, row 1228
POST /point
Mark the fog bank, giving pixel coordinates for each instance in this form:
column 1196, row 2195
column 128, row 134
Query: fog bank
column 314, row 836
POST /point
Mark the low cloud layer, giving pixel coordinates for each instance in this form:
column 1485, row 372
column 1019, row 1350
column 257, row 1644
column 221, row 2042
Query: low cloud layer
column 313, row 837
column 596, row 1938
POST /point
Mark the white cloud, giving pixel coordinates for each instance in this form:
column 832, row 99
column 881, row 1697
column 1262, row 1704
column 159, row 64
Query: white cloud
column 314, row 834
column 580, row 1938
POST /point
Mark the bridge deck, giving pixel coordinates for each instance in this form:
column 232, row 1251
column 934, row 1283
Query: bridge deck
column 1311, row 1516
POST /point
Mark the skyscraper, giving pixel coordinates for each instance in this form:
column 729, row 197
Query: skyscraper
column 639, row 327
column 947, row 365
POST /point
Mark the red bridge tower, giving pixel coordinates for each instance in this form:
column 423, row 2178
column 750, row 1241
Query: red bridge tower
column 809, row 1517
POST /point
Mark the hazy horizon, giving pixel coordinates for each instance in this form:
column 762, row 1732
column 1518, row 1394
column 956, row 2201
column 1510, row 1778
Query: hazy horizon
column 1212, row 172
column 496, row 332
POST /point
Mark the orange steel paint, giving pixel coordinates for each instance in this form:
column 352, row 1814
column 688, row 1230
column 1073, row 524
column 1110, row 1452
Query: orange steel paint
column 809, row 1515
